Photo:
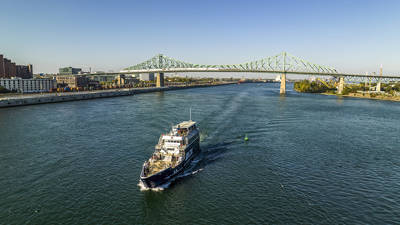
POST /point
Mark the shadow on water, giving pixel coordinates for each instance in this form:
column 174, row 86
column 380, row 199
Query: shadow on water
column 160, row 97
column 282, row 98
column 339, row 100
column 160, row 94
column 209, row 154
column 213, row 153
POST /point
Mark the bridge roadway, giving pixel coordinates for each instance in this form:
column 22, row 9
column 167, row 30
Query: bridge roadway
column 213, row 70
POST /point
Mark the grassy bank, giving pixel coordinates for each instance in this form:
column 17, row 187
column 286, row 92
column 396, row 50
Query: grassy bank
column 389, row 92
column 307, row 86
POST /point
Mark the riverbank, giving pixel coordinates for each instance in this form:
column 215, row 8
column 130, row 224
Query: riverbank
column 369, row 96
column 319, row 86
column 33, row 99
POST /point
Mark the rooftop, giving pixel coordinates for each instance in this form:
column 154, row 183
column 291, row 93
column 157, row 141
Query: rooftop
column 186, row 124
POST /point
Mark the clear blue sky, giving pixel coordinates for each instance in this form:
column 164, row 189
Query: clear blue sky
column 352, row 36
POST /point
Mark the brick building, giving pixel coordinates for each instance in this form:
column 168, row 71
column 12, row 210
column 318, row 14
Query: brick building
column 25, row 72
column 73, row 81
column 2, row 72
column 9, row 69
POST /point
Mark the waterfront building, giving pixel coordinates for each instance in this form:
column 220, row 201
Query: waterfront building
column 9, row 69
column 28, row 85
column 146, row 76
column 69, row 71
column 126, row 80
column 13, row 69
column 93, row 84
column 133, row 76
column 25, row 72
column 30, row 69
column 74, row 81
column 2, row 72
column 103, row 78
column 121, row 79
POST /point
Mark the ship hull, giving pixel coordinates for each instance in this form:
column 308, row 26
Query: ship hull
column 168, row 174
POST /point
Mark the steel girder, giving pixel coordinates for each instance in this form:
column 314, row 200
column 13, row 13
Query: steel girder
column 281, row 62
column 372, row 79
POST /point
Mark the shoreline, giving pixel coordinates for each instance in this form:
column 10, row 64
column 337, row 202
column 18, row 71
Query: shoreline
column 367, row 96
column 35, row 99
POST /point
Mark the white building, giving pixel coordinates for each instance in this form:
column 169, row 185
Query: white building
column 28, row 85
column 147, row 76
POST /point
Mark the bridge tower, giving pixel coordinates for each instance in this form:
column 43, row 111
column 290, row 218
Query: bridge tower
column 160, row 80
column 341, row 85
column 282, row 90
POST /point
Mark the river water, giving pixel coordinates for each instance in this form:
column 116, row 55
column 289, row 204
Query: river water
column 311, row 159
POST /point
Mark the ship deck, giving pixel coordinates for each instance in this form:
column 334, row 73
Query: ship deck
column 158, row 165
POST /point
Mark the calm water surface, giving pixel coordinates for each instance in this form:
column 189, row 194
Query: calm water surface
column 311, row 159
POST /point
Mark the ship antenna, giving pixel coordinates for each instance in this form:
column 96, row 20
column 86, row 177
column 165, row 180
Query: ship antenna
column 190, row 113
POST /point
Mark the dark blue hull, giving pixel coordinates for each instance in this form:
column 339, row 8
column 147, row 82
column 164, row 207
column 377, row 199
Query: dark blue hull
column 166, row 175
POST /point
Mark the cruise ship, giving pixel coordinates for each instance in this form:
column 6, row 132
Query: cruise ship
column 172, row 155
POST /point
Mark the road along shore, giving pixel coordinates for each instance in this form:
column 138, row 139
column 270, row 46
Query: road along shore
column 34, row 99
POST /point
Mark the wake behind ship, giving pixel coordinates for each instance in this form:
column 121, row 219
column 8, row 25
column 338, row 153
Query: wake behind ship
column 172, row 155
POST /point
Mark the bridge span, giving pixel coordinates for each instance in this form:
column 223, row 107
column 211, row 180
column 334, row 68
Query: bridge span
column 282, row 64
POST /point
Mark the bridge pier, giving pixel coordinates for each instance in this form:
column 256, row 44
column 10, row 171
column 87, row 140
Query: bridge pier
column 283, row 84
column 378, row 86
column 340, row 86
column 160, row 80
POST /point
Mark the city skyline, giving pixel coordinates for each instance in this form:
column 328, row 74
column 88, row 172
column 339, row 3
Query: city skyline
column 356, row 36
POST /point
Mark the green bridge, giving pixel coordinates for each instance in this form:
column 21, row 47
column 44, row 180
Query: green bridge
column 282, row 63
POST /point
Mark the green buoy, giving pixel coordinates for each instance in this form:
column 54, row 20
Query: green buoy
column 246, row 138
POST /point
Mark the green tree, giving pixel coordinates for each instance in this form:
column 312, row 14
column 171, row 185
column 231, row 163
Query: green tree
column 4, row 90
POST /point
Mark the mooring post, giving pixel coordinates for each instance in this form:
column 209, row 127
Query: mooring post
column 341, row 85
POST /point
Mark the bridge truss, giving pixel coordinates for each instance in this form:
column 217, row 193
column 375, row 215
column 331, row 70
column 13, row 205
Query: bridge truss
column 281, row 63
